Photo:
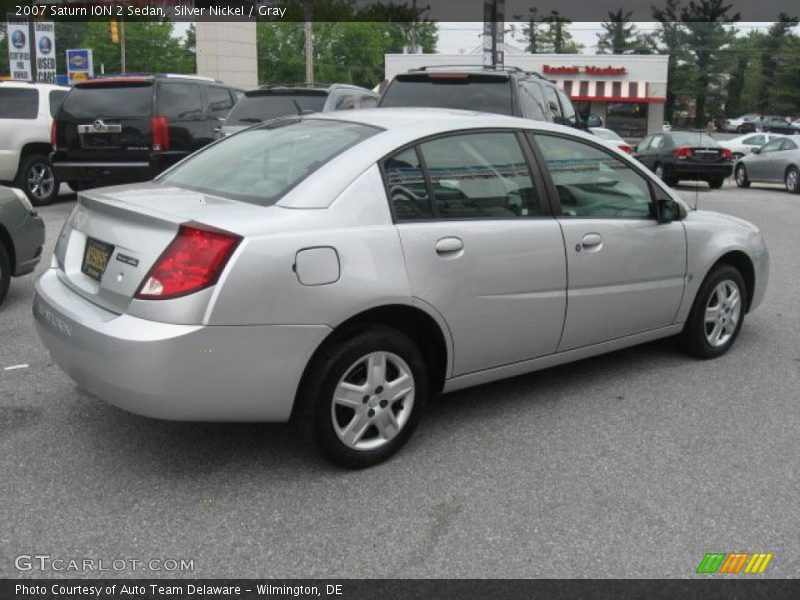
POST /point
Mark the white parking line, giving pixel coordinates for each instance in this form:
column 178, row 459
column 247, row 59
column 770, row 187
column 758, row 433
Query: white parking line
column 15, row 367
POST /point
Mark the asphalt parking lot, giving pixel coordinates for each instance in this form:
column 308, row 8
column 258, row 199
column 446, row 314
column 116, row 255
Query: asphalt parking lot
column 633, row 464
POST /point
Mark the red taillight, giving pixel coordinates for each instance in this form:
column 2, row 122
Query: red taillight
column 726, row 153
column 54, row 135
column 684, row 152
column 193, row 261
column 626, row 148
column 159, row 126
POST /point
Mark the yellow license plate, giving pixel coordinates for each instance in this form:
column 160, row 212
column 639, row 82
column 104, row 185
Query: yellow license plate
column 95, row 258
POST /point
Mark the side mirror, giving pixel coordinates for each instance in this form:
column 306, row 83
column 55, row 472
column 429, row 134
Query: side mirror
column 594, row 120
column 756, row 151
column 635, row 148
column 667, row 210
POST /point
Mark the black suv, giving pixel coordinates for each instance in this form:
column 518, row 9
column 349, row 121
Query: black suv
column 272, row 101
column 131, row 127
column 506, row 91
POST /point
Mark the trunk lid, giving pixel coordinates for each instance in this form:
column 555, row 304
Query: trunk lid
column 116, row 234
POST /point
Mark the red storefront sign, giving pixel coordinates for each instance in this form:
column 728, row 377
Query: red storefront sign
column 589, row 70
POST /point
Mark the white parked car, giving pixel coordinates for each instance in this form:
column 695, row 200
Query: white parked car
column 26, row 116
column 742, row 124
column 744, row 144
column 339, row 268
column 612, row 139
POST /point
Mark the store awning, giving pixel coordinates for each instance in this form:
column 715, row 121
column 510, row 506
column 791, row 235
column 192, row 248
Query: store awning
column 608, row 91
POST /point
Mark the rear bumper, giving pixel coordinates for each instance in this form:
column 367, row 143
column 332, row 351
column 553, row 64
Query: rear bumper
column 176, row 372
column 100, row 173
column 698, row 170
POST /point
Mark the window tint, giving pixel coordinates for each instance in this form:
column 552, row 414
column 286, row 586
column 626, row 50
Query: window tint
column 487, row 94
column 345, row 101
column 56, row 98
column 180, row 101
column 645, row 143
column 368, row 102
column 552, row 101
column 480, row 176
column 754, row 140
column 592, row 182
column 657, row 143
column 532, row 101
column 567, row 109
column 220, row 101
column 788, row 145
column 772, row 146
column 689, row 138
column 255, row 107
column 19, row 103
column 261, row 164
column 408, row 192
column 103, row 100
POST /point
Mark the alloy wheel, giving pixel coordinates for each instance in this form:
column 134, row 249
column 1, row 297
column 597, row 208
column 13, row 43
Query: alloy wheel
column 723, row 310
column 373, row 401
column 41, row 181
column 741, row 177
column 792, row 180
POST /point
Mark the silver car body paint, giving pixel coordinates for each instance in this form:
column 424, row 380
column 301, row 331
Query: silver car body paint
column 772, row 166
column 237, row 351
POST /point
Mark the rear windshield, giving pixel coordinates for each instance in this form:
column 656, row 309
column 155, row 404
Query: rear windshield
column 263, row 107
column 260, row 165
column 690, row 138
column 606, row 134
column 18, row 103
column 466, row 92
column 109, row 101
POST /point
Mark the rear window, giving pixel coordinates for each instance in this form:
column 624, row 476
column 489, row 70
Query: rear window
column 119, row 101
column 690, row 138
column 56, row 98
column 18, row 103
column 260, row 165
column 468, row 92
column 256, row 108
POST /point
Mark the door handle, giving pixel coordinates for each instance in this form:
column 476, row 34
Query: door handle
column 449, row 245
column 591, row 242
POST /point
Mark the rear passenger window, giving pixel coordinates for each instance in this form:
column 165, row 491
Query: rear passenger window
column 568, row 110
column 56, row 98
column 180, row 101
column 531, row 101
column 480, row 176
column 592, row 182
column 552, row 102
column 19, row 103
column 219, row 101
column 408, row 192
column 368, row 102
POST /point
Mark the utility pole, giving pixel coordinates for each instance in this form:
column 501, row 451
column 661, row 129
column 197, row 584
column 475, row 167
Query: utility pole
column 122, row 43
column 309, row 31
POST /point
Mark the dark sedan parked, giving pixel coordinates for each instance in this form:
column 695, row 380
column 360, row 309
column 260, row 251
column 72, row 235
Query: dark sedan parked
column 778, row 125
column 678, row 155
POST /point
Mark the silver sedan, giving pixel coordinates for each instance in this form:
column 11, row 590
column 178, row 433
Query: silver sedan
column 341, row 269
column 776, row 162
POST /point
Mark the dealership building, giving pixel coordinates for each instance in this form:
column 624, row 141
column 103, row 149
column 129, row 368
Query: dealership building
column 627, row 91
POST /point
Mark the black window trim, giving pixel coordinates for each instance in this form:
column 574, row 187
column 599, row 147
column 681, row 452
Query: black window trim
column 542, row 199
column 555, row 200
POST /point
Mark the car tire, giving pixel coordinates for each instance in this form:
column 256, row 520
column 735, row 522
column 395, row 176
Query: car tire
column 716, row 183
column 792, row 180
column 5, row 272
column 350, row 416
column 740, row 175
column 37, row 180
column 717, row 313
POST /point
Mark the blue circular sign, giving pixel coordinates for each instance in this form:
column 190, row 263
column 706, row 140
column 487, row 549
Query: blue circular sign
column 18, row 39
column 45, row 45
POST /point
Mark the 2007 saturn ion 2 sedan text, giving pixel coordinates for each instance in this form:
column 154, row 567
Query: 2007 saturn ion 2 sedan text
column 341, row 269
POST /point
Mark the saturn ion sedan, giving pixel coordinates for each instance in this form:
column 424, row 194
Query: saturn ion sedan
column 340, row 269
column 775, row 162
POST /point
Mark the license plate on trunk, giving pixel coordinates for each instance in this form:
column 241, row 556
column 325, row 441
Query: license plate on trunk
column 96, row 257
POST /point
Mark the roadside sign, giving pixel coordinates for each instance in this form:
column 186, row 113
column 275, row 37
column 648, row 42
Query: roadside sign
column 79, row 64
column 45, row 51
column 19, row 50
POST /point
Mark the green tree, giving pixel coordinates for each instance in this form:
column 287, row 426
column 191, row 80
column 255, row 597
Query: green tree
column 708, row 34
column 531, row 30
column 620, row 35
column 556, row 37
column 669, row 38
column 5, row 68
column 771, row 54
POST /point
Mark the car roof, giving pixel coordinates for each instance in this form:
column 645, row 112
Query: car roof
column 498, row 71
column 312, row 86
